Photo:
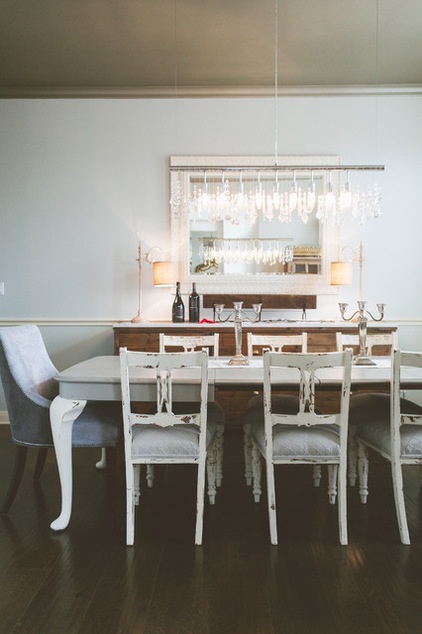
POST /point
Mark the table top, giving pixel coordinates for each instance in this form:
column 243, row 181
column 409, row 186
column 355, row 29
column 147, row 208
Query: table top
column 99, row 377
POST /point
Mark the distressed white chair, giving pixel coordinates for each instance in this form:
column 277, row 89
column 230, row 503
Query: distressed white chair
column 164, row 437
column 347, row 340
column 392, row 426
column 306, row 436
column 190, row 343
column 357, row 401
column 283, row 402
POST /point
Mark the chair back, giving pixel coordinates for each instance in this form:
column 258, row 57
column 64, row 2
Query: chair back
column 190, row 343
column 276, row 343
column 386, row 339
column 308, row 367
column 162, row 367
column 27, row 375
column 398, row 415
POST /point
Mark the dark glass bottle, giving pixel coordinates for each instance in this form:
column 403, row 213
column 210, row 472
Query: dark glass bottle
column 194, row 305
column 178, row 309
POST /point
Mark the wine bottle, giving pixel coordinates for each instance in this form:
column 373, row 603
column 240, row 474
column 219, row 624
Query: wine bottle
column 194, row 305
column 178, row 310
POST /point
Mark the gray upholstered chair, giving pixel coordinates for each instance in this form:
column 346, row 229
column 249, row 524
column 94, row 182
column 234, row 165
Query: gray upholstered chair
column 27, row 374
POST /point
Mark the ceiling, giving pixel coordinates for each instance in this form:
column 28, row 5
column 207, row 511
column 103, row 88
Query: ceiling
column 54, row 48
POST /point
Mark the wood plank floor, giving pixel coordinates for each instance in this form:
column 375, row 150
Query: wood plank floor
column 85, row 580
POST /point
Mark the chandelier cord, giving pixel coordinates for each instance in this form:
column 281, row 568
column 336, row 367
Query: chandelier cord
column 276, row 82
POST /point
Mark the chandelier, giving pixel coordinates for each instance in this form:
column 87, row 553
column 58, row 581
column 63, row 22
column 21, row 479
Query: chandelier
column 248, row 193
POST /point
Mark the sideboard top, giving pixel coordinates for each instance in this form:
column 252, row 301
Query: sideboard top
column 301, row 325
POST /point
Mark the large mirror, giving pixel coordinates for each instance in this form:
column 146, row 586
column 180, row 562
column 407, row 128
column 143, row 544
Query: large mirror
column 249, row 249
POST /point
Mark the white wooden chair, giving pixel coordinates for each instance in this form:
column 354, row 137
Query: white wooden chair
column 276, row 343
column 165, row 437
column 283, row 402
column 347, row 340
column 306, row 436
column 344, row 340
column 190, row 343
column 393, row 428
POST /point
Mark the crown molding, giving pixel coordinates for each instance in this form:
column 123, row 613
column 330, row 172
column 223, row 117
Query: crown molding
column 202, row 92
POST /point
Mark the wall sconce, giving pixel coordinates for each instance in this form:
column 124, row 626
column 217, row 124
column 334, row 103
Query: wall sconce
column 342, row 270
column 162, row 276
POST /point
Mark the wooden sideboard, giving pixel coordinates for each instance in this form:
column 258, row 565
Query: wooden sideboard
column 321, row 335
column 321, row 338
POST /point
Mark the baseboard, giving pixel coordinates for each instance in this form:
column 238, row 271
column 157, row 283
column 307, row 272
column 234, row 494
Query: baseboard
column 4, row 418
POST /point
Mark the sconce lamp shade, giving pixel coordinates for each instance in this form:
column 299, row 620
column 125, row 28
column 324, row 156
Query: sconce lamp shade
column 341, row 273
column 163, row 273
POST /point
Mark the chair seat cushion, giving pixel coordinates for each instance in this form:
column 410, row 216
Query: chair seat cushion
column 281, row 404
column 99, row 425
column 367, row 407
column 377, row 434
column 180, row 441
column 371, row 414
column 317, row 442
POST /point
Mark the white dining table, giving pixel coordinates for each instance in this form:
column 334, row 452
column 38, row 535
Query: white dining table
column 98, row 379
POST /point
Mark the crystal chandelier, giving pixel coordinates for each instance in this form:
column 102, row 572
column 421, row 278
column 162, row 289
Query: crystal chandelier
column 240, row 194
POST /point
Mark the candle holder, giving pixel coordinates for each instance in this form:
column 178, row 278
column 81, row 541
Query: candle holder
column 239, row 358
column 239, row 316
column 362, row 358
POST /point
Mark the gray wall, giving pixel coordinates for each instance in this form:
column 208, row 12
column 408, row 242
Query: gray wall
column 82, row 181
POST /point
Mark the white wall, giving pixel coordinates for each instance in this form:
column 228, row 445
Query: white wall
column 81, row 181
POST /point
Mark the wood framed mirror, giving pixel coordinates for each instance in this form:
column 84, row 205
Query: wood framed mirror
column 222, row 255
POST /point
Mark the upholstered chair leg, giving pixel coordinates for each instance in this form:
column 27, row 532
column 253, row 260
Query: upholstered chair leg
column 352, row 455
column 342, row 503
column 317, row 475
column 397, row 475
column 102, row 463
column 137, row 482
column 39, row 466
column 220, row 453
column 363, row 469
column 272, row 510
column 19, row 467
column 247, row 449
column 130, row 504
column 256, row 473
column 212, row 471
column 332, row 482
column 200, row 492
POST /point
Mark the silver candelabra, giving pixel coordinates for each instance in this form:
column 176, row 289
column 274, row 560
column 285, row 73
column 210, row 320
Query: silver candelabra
column 239, row 358
column 362, row 312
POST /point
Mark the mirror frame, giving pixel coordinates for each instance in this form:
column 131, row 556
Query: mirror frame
column 288, row 284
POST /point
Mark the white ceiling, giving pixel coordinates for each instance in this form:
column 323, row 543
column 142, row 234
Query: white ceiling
column 207, row 47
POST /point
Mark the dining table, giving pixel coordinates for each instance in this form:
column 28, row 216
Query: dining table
column 98, row 379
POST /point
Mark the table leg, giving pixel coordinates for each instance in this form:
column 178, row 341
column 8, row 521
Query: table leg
column 63, row 413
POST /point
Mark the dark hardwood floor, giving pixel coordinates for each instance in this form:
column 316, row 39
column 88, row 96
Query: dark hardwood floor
column 85, row 580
